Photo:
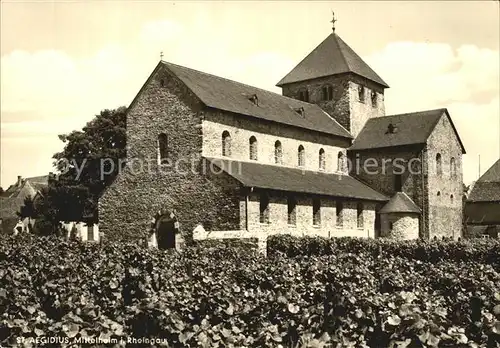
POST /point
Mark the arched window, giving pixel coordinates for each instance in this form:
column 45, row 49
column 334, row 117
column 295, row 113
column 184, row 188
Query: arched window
column 439, row 194
column 453, row 167
column 321, row 159
column 374, row 98
column 439, row 164
column 253, row 148
column 304, row 95
column 361, row 93
column 316, row 203
column 278, row 152
column 302, row 156
column 340, row 161
column 359, row 214
column 339, row 213
column 226, row 144
column 162, row 148
column 327, row 92
column 398, row 183
column 264, row 208
column 451, row 198
column 292, row 213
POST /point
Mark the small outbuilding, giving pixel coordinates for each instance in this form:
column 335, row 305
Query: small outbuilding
column 400, row 218
column 482, row 208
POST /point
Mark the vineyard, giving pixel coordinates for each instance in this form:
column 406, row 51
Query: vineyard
column 307, row 292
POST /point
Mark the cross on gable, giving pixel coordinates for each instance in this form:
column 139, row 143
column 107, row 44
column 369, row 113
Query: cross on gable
column 333, row 21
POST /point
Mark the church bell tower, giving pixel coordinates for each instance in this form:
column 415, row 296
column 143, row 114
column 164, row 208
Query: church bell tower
column 334, row 77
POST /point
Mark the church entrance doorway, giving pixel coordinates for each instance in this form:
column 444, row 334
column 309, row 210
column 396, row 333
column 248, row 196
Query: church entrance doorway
column 165, row 230
column 165, row 233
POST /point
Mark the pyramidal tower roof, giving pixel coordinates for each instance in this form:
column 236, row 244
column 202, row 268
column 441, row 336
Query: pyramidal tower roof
column 332, row 57
column 492, row 174
column 400, row 203
column 487, row 187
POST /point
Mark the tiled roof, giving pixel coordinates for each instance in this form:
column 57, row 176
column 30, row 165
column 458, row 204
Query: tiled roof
column 482, row 213
column 13, row 198
column 493, row 230
column 333, row 56
column 492, row 174
column 482, row 230
column 485, row 192
column 10, row 190
column 223, row 94
column 36, row 183
column 476, row 230
column 487, row 187
column 39, row 182
column 410, row 129
column 400, row 203
column 253, row 174
column 9, row 206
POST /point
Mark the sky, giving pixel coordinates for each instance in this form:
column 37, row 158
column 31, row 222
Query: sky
column 64, row 62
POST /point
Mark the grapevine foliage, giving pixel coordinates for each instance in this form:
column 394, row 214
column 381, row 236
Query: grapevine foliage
column 306, row 293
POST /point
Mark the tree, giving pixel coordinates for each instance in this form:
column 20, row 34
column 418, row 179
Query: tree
column 49, row 211
column 73, row 195
column 465, row 190
column 28, row 210
column 43, row 209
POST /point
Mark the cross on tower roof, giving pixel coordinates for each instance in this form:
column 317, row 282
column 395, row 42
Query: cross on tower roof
column 333, row 21
column 161, row 55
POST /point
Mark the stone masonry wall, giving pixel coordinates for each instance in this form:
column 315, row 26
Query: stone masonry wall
column 404, row 226
column 444, row 213
column 10, row 206
column 127, row 207
column 278, row 223
column 241, row 128
column 362, row 110
column 345, row 107
column 278, row 217
column 483, row 219
column 377, row 169
column 441, row 215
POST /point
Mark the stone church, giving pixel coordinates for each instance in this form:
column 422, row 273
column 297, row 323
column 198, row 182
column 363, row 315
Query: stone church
column 228, row 160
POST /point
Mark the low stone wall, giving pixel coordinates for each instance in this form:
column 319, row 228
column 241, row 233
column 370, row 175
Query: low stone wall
column 199, row 233
column 82, row 231
column 152, row 241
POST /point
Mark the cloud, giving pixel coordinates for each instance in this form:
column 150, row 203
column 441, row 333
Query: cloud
column 38, row 128
column 465, row 81
column 480, row 67
column 52, row 83
column 265, row 69
column 48, row 92
column 479, row 128
column 38, row 81
column 161, row 31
